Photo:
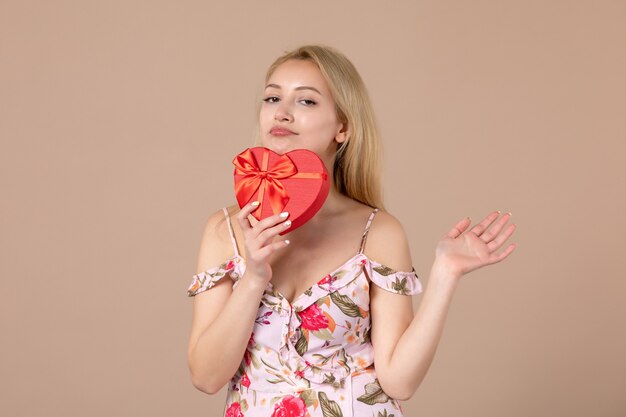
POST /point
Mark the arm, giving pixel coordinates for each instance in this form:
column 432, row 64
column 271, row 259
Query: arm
column 223, row 317
column 405, row 351
column 221, row 326
column 405, row 346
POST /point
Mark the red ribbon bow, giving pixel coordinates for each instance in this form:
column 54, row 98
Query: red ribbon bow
column 263, row 178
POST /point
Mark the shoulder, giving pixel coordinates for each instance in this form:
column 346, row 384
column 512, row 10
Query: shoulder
column 387, row 242
column 216, row 245
column 217, row 219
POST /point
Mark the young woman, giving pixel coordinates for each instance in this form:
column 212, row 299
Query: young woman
column 319, row 322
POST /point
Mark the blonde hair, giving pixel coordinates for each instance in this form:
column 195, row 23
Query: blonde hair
column 357, row 161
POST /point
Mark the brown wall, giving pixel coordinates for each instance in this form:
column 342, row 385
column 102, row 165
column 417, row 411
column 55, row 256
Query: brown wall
column 118, row 120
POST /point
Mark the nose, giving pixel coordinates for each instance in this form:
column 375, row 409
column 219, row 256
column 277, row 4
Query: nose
column 283, row 113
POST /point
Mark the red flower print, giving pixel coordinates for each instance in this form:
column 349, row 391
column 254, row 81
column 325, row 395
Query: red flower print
column 263, row 319
column 326, row 280
column 234, row 410
column 313, row 318
column 245, row 381
column 290, row 406
column 300, row 374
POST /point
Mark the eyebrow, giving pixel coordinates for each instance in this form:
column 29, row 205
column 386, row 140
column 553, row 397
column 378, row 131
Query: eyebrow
column 304, row 87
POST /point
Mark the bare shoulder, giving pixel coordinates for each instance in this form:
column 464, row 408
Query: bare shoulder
column 387, row 243
column 216, row 246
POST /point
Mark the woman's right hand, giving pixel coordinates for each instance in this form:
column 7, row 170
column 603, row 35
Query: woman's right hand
column 259, row 241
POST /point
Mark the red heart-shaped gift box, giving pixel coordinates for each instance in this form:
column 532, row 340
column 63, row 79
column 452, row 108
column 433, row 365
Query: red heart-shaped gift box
column 296, row 182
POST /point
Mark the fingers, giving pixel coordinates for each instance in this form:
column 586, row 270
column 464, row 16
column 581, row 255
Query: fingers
column 248, row 209
column 271, row 221
column 264, row 254
column 501, row 238
column 258, row 237
column 499, row 257
column 459, row 228
column 480, row 228
column 242, row 216
column 269, row 233
column 492, row 236
column 488, row 235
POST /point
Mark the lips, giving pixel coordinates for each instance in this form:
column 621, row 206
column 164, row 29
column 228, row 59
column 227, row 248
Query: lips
column 281, row 131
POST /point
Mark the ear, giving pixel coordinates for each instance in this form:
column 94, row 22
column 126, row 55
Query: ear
column 343, row 134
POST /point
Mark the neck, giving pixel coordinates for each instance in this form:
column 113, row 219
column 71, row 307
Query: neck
column 334, row 202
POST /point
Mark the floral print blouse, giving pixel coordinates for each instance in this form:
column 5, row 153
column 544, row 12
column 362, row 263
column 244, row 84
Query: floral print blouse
column 312, row 357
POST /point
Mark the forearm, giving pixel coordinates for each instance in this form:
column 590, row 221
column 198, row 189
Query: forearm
column 416, row 347
column 219, row 349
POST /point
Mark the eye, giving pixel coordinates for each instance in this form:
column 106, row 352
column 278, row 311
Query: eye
column 308, row 102
column 271, row 99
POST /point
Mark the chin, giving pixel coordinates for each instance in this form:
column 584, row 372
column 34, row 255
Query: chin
column 278, row 145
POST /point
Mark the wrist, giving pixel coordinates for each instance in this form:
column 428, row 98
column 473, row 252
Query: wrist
column 252, row 283
column 443, row 271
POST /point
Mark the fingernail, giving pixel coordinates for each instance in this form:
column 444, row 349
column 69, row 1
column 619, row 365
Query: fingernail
column 509, row 213
column 254, row 203
column 283, row 215
column 287, row 223
column 287, row 242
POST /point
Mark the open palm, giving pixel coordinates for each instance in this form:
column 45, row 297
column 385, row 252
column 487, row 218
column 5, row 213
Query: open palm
column 464, row 250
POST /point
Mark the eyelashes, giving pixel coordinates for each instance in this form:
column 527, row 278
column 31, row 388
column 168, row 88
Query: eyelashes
column 274, row 99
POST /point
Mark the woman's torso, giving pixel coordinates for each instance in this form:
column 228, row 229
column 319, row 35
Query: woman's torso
column 311, row 352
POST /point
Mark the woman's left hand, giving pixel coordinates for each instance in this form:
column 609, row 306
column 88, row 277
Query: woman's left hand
column 461, row 251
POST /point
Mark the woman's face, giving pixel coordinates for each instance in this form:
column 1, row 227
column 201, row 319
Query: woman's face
column 298, row 112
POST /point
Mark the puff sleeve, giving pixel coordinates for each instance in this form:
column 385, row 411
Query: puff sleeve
column 398, row 282
column 207, row 279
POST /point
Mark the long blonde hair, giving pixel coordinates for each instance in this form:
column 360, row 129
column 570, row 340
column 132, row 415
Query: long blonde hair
column 357, row 161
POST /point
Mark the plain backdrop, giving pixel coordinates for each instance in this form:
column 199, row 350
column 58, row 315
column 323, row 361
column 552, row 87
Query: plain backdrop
column 118, row 123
